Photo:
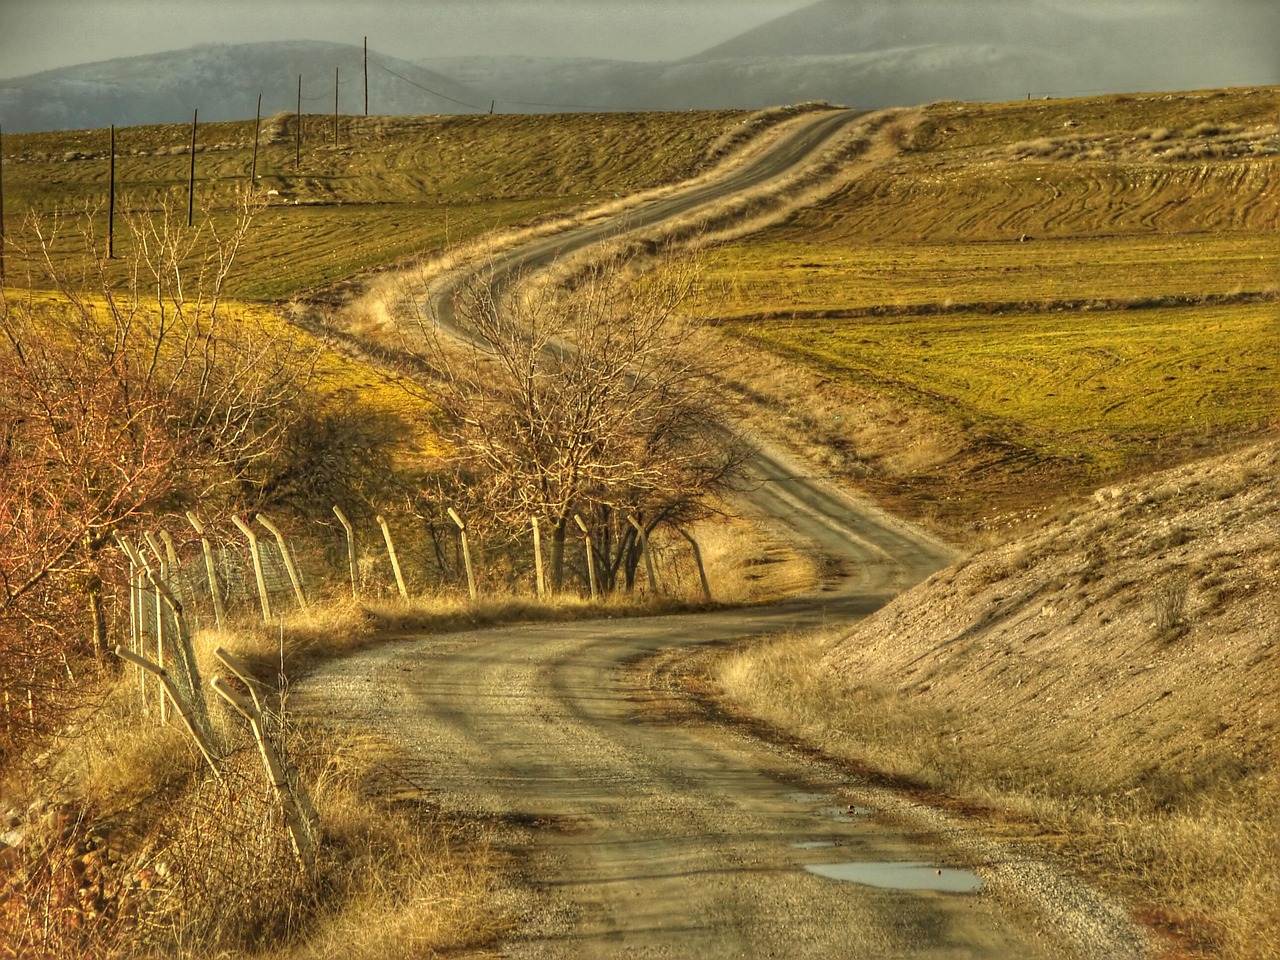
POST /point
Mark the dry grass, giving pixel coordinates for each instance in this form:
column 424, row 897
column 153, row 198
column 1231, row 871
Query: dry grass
column 142, row 853
column 1105, row 685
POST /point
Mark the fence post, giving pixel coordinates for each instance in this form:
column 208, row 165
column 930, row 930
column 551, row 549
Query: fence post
column 351, row 547
column 591, row 557
column 263, row 599
column 136, row 557
column 300, row 815
column 301, row 797
column 287, row 554
column 395, row 561
column 211, row 568
column 537, row 558
column 644, row 549
column 697, row 556
column 179, row 704
column 466, row 552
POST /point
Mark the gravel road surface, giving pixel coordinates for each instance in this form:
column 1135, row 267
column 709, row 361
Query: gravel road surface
column 643, row 825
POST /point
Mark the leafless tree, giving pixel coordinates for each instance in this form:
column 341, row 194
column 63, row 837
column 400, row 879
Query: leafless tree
column 127, row 388
column 585, row 400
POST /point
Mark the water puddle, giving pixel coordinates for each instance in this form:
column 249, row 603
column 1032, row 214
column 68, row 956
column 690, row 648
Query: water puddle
column 844, row 814
column 814, row 845
column 896, row 875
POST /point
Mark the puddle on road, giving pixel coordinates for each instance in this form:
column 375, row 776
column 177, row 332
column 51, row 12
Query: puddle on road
column 896, row 875
column 844, row 814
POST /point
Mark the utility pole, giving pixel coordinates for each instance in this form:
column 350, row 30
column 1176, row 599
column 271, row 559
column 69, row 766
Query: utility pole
column 111, row 202
column 257, row 125
column 191, row 179
column 366, row 76
column 297, row 134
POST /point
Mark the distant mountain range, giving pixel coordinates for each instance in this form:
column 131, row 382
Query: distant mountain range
column 868, row 53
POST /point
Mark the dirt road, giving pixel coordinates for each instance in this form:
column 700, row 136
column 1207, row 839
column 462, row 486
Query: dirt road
column 644, row 826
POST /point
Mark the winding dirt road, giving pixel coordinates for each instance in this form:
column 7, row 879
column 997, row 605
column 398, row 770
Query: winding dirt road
column 642, row 824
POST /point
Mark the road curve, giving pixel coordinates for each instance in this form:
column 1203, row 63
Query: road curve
column 642, row 825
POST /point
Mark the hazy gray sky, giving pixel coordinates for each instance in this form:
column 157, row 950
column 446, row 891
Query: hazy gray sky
column 42, row 34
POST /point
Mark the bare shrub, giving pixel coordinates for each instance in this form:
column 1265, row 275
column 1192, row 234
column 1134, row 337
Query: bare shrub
column 582, row 401
column 1169, row 606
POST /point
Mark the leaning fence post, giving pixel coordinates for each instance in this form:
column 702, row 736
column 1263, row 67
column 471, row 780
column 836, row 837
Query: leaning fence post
column 537, row 557
column 395, row 560
column 263, row 599
column 298, row 813
column 287, row 554
column 211, row 568
column 591, row 557
column 351, row 547
column 644, row 549
column 179, row 704
column 466, row 552
column 159, row 612
column 697, row 556
column 183, row 652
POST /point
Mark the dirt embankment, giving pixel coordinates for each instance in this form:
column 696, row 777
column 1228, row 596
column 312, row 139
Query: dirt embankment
column 1117, row 673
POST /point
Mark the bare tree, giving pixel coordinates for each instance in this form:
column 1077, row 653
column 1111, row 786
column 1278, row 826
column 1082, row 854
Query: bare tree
column 585, row 401
column 126, row 389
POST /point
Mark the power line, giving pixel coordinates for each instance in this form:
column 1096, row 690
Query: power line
column 434, row 93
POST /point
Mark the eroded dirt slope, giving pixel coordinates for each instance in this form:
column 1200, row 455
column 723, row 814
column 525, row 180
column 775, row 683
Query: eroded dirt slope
column 1146, row 623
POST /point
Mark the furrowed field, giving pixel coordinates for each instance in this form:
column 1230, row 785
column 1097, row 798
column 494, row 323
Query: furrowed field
column 1081, row 288
column 392, row 187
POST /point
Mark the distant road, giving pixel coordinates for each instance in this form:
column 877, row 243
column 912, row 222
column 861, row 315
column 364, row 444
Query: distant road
column 643, row 825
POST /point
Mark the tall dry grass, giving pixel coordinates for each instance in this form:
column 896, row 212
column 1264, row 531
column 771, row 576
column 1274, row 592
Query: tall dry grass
column 1194, row 856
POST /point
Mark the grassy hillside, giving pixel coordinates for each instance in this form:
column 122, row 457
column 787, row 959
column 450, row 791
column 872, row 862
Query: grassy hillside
column 1083, row 288
column 390, row 188
column 1104, row 685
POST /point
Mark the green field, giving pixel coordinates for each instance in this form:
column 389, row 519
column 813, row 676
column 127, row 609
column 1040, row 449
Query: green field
column 1088, row 279
column 390, row 188
column 1099, row 385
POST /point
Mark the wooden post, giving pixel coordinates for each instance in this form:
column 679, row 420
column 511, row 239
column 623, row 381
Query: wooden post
column 179, row 704
column 263, row 599
column 300, row 831
column 644, row 550
column 591, row 557
column 697, row 556
column 537, row 558
column 466, row 553
column 366, row 76
column 300, row 796
column 257, row 126
column 111, row 201
column 351, row 548
column 335, row 106
column 287, row 554
column 136, row 557
column 191, row 179
column 135, row 628
column 211, row 569
column 297, row 133
column 395, row 561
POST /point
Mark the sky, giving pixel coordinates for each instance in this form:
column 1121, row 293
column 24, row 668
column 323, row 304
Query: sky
column 40, row 35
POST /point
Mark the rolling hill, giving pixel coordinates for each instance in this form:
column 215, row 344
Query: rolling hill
column 867, row 53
